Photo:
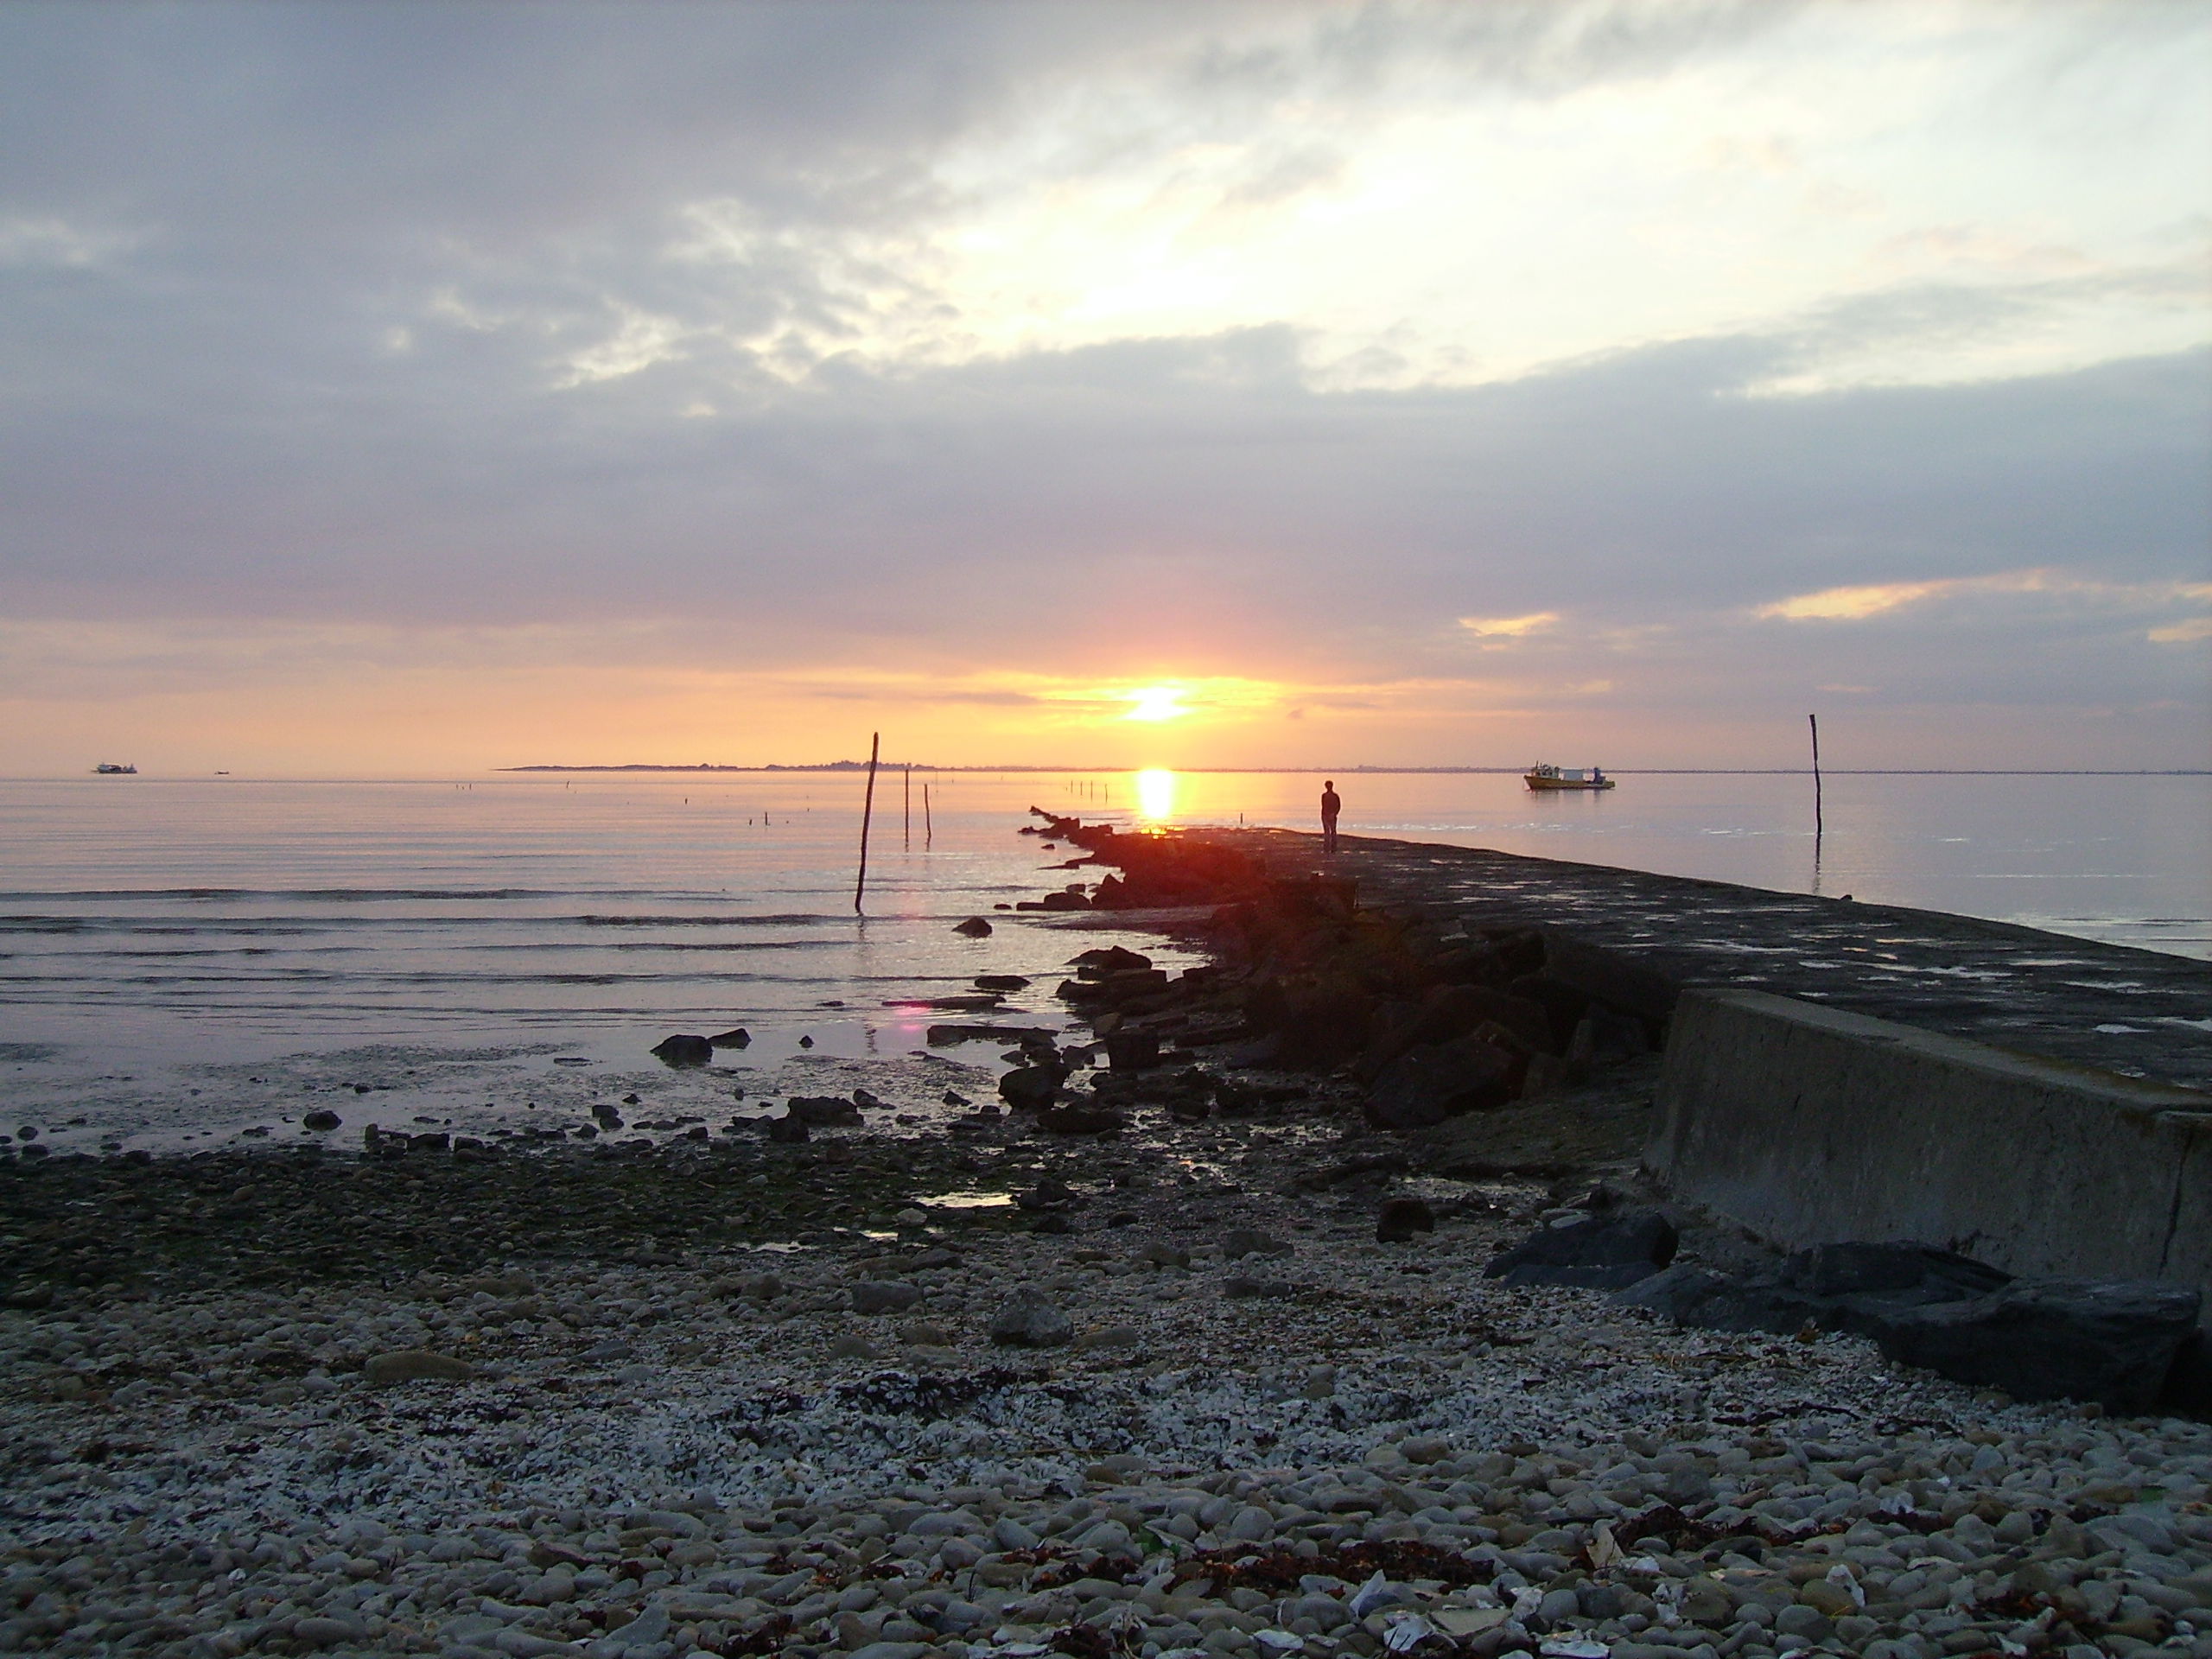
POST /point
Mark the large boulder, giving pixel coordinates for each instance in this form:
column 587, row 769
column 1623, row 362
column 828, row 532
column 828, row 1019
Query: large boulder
column 1048, row 1194
column 2112, row 1341
column 1450, row 1012
column 1691, row 1295
column 1400, row 1218
column 1608, row 1251
column 1029, row 1320
column 1318, row 1023
column 1132, row 1050
column 1031, row 1088
column 825, row 1111
column 1026, row 1036
column 885, row 1296
column 1079, row 1117
column 1240, row 1242
column 2116, row 1342
column 1898, row 1271
column 1614, row 977
column 1425, row 1085
column 1102, row 960
column 1519, row 946
column 1564, row 1006
column 683, row 1050
column 1475, row 962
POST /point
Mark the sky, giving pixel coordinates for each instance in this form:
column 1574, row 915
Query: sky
column 419, row 389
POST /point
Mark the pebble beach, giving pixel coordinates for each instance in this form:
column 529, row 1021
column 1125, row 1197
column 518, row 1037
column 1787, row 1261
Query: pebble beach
column 1254, row 1428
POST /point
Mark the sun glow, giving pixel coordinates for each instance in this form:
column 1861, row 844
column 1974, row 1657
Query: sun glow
column 1156, row 794
column 1156, row 703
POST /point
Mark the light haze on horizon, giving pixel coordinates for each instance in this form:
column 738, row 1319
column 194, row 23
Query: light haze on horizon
column 412, row 390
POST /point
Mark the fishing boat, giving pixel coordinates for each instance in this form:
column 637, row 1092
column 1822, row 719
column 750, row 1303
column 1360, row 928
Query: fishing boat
column 1542, row 777
column 108, row 769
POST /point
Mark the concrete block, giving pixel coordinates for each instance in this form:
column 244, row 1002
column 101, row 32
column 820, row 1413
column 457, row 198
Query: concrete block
column 1811, row 1125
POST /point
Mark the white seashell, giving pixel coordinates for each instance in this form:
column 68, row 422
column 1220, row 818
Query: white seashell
column 1407, row 1631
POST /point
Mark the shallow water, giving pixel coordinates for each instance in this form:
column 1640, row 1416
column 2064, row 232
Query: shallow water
column 196, row 957
column 212, row 952
column 2120, row 859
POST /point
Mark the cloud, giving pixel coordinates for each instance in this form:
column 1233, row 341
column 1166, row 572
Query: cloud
column 1850, row 604
column 763, row 190
column 28, row 241
column 1917, row 331
column 638, row 343
column 1856, row 604
column 1006, row 359
column 1509, row 627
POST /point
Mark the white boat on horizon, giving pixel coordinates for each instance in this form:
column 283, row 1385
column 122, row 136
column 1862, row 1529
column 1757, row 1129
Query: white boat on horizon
column 108, row 769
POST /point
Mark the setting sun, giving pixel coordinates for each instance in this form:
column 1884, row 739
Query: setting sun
column 1157, row 702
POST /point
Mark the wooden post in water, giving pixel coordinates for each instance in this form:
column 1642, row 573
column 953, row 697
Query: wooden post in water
column 867, row 811
column 909, row 806
column 1819, row 827
column 929, row 830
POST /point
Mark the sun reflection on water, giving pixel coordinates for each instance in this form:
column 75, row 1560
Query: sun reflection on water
column 1156, row 794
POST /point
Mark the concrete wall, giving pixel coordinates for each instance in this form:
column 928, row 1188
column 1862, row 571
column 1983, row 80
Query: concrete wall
column 1810, row 1125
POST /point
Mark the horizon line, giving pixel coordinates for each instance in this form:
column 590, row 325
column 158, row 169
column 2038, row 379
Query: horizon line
column 1408, row 771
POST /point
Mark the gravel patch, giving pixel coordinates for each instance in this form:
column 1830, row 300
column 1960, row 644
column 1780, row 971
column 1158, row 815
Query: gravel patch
column 713, row 1449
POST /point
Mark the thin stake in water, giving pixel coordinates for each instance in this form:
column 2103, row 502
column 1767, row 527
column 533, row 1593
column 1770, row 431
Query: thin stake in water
column 867, row 812
column 1818, row 826
column 909, row 806
column 929, row 830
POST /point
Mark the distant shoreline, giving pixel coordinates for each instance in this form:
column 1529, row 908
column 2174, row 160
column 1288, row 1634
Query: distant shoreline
column 1413, row 771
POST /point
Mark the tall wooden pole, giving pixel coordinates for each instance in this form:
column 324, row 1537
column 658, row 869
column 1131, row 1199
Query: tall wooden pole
column 909, row 776
column 929, row 829
column 1819, row 827
column 867, row 811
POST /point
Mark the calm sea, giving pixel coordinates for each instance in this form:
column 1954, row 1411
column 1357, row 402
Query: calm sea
column 172, row 949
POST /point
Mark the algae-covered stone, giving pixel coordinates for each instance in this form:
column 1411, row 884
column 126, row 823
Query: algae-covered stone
column 417, row 1365
column 884, row 1296
column 1028, row 1320
column 323, row 1631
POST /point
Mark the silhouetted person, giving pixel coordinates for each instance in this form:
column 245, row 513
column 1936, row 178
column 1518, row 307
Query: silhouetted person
column 1331, row 806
